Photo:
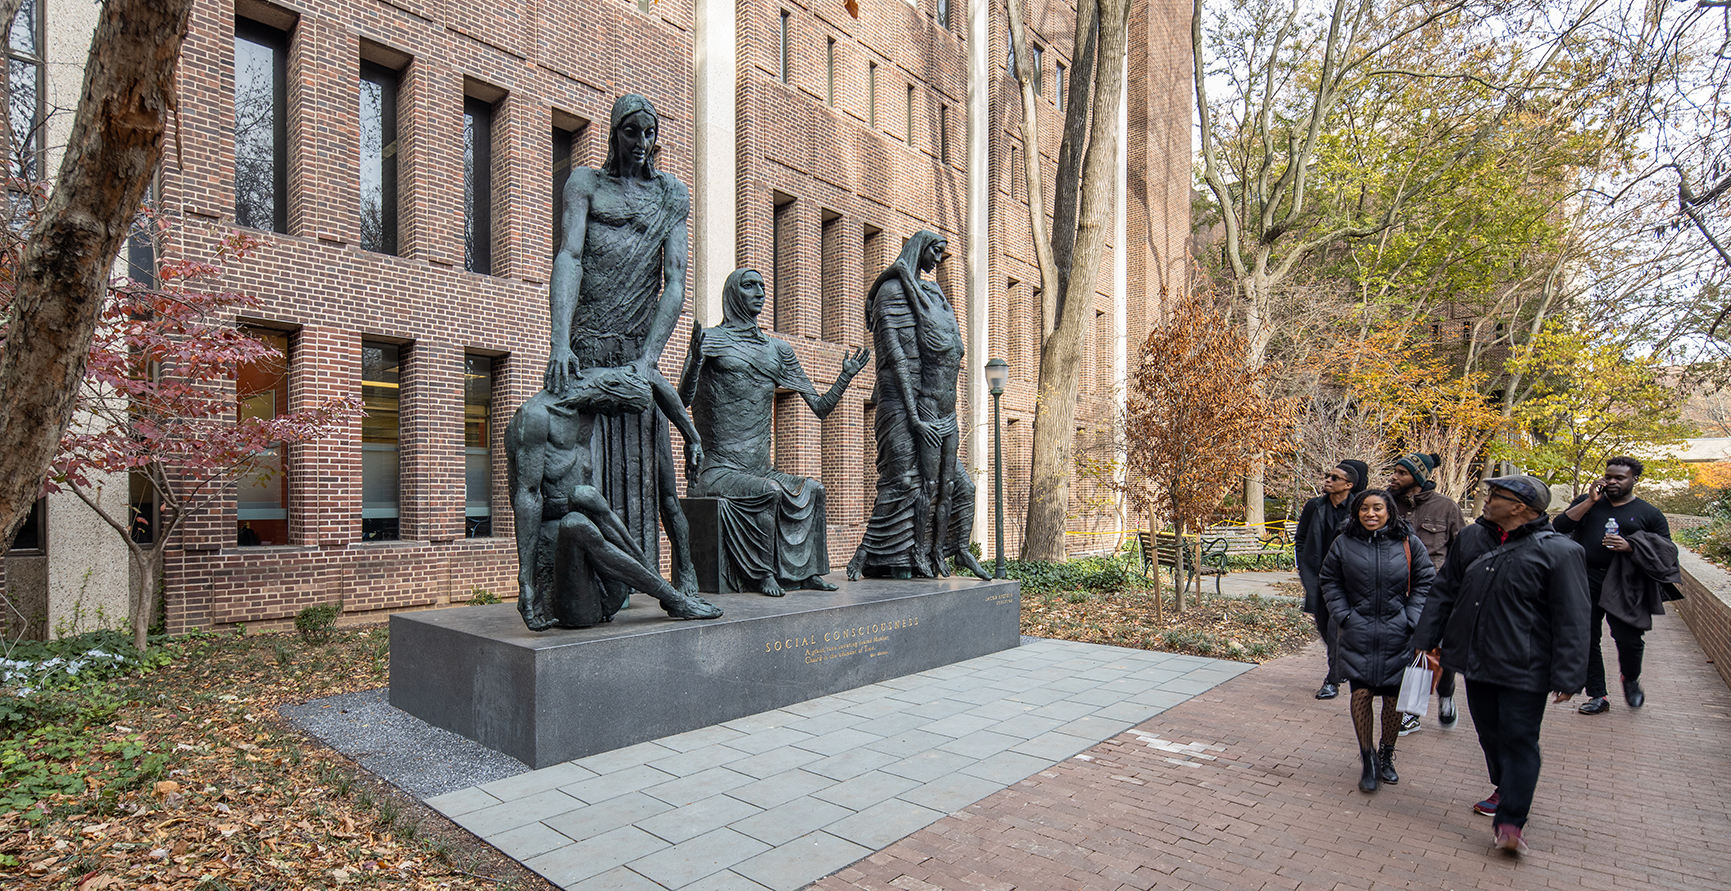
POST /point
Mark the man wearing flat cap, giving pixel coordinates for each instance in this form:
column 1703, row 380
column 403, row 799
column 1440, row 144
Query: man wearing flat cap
column 1510, row 610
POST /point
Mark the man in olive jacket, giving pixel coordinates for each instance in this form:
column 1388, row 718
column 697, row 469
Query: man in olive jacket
column 1511, row 612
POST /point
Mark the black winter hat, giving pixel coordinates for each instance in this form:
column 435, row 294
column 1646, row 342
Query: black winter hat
column 1359, row 471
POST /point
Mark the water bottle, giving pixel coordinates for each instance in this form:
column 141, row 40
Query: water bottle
column 1611, row 527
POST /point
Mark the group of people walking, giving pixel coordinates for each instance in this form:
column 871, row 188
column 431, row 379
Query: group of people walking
column 1514, row 602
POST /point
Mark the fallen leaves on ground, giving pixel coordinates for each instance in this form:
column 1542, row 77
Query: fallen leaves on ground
column 1252, row 629
column 242, row 800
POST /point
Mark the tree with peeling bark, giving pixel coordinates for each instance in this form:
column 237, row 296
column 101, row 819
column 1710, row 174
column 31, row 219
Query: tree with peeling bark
column 158, row 402
column 60, row 271
column 1068, row 251
column 1276, row 84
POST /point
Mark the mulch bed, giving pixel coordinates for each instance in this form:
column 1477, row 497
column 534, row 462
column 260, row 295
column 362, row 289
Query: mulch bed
column 190, row 779
column 1253, row 629
column 235, row 797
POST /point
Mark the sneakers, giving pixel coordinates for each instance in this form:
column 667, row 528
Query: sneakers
column 1488, row 807
column 1328, row 690
column 1509, row 839
column 1632, row 693
column 1445, row 710
column 1409, row 725
column 1598, row 705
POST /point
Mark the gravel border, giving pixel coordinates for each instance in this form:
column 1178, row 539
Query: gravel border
column 398, row 747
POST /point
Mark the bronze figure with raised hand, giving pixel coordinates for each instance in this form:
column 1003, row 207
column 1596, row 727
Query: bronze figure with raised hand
column 773, row 528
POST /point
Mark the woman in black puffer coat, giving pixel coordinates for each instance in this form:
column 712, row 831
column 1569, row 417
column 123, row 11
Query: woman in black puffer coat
column 1374, row 581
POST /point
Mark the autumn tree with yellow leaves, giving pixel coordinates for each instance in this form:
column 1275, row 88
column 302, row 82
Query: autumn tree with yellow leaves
column 1422, row 404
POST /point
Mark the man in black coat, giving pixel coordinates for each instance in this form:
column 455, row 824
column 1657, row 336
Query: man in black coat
column 1510, row 610
column 1318, row 524
column 1588, row 520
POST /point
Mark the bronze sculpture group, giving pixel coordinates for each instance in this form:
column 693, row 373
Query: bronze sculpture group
column 589, row 459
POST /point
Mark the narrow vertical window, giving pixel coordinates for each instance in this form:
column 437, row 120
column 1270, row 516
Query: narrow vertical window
column 871, row 94
column 477, row 185
column 910, row 115
column 872, row 254
column 645, row 5
column 786, row 46
column 260, row 126
column 833, row 316
column 141, row 247
column 943, row 13
column 1058, row 87
column 261, row 495
column 1038, row 61
column 830, row 71
column 944, row 133
column 24, row 69
column 381, row 382
column 1010, row 52
column 32, row 537
column 781, row 237
column 378, row 158
column 477, row 446
column 567, row 142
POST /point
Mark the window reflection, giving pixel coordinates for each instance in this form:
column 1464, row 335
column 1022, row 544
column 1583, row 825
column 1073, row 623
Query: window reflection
column 260, row 126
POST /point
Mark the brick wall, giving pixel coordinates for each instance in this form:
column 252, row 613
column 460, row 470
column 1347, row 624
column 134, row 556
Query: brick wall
column 850, row 193
column 1706, row 609
column 564, row 62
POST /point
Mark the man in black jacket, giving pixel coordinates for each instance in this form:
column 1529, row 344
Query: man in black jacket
column 1318, row 524
column 1510, row 610
column 1588, row 520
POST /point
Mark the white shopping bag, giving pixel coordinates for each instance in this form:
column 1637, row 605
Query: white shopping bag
column 1415, row 688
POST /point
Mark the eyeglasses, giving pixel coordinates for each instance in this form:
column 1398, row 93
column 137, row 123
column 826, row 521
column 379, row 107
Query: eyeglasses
column 1506, row 496
column 1335, row 478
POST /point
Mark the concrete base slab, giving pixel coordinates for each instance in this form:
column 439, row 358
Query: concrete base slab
column 554, row 696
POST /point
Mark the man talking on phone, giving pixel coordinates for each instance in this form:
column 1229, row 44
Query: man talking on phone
column 1609, row 523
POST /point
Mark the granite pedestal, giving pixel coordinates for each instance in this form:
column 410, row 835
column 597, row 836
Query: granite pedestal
column 553, row 696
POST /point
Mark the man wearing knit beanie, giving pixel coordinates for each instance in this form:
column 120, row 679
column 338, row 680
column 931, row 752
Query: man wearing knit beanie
column 1318, row 524
column 1437, row 520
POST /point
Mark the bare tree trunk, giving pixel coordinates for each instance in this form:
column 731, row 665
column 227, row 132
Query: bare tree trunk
column 1060, row 353
column 61, row 279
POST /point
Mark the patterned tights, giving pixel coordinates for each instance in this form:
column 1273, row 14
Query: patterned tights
column 1361, row 719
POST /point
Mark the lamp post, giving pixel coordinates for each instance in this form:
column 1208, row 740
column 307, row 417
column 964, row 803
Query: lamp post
column 997, row 375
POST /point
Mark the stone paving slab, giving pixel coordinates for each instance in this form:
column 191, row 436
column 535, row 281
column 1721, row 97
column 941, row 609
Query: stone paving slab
column 781, row 799
column 1251, row 785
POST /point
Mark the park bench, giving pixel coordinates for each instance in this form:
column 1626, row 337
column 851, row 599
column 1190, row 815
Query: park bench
column 1161, row 549
column 1243, row 541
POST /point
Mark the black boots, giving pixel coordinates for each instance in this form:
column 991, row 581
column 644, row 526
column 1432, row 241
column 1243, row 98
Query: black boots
column 1385, row 765
column 1367, row 780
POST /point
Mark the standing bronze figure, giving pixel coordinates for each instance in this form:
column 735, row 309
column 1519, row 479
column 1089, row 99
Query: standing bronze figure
column 773, row 524
column 617, row 288
column 925, row 502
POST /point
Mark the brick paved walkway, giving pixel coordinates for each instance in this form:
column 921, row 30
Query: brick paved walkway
column 1250, row 785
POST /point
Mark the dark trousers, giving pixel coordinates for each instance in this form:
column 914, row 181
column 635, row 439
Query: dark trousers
column 1445, row 683
column 1630, row 648
column 1508, row 724
column 1325, row 627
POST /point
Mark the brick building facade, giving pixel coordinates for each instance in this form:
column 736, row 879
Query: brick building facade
column 430, row 298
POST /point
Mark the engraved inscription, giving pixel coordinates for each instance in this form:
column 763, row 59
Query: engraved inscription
column 865, row 640
column 1009, row 596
